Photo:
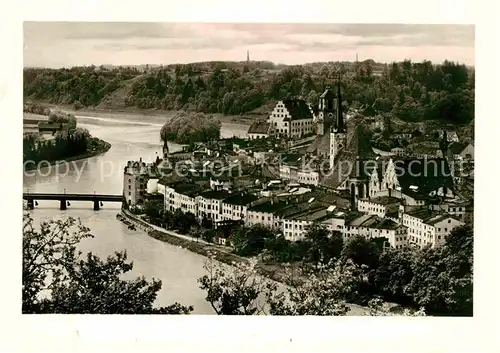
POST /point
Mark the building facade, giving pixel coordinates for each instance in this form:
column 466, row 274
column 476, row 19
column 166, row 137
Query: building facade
column 135, row 180
column 428, row 228
column 292, row 118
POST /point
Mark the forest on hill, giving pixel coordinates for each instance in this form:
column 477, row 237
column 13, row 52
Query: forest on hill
column 406, row 90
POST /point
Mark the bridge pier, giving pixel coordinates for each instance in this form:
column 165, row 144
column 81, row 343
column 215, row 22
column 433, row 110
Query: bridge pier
column 63, row 206
column 31, row 204
column 96, row 205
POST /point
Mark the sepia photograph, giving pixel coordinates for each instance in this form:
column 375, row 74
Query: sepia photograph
column 279, row 169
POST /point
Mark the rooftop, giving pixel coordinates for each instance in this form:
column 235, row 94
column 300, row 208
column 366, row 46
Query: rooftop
column 187, row 189
column 424, row 214
column 439, row 218
column 371, row 221
column 259, row 127
column 270, row 206
column 428, row 174
column 298, row 109
column 319, row 215
column 213, row 194
column 240, row 199
column 383, row 200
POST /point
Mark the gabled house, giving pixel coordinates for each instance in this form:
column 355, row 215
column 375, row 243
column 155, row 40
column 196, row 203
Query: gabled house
column 292, row 118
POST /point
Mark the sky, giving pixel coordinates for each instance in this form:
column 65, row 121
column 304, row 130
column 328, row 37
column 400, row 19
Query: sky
column 66, row 44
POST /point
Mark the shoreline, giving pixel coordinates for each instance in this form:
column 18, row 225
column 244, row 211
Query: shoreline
column 200, row 248
column 245, row 119
column 228, row 258
column 106, row 147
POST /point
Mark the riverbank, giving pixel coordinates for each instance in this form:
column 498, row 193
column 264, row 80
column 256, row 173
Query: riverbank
column 132, row 112
column 221, row 254
column 100, row 148
column 200, row 247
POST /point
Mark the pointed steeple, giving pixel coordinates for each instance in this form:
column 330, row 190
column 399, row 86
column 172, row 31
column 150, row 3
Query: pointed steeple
column 339, row 118
column 248, row 55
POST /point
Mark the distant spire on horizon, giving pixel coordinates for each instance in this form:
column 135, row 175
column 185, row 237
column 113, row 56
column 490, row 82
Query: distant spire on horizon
column 248, row 56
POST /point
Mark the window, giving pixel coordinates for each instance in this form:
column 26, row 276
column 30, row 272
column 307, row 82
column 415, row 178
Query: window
column 449, row 221
column 129, row 193
column 129, row 187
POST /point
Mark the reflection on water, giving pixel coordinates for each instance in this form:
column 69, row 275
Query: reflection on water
column 178, row 269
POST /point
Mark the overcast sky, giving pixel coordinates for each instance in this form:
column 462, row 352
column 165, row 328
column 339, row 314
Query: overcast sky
column 58, row 44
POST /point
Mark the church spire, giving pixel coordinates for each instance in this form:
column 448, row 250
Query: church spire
column 339, row 119
column 248, row 56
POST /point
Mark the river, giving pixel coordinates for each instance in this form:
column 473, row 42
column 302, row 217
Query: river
column 131, row 139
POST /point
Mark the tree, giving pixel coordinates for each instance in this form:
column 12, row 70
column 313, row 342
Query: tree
column 393, row 275
column 153, row 209
column 234, row 291
column 250, row 241
column 323, row 245
column 443, row 277
column 57, row 280
column 361, row 251
column 184, row 221
column 241, row 291
column 320, row 293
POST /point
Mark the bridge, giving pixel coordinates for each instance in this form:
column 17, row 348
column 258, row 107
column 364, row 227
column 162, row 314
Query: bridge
column 64, row 198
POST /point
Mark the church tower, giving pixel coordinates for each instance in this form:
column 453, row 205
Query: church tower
column 338, row 133
column 326, row 112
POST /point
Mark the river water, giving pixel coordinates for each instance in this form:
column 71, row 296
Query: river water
column 177, row 268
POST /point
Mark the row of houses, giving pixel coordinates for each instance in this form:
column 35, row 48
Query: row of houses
column 292, row 216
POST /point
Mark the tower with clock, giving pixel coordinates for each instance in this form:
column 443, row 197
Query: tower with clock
column 326, row 112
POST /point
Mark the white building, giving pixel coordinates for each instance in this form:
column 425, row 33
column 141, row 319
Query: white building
column 294, row 168
column 379, row 206
column 135, row 179
column 210, row 204
column 267, row 213
column 428, row 228
column 398, row 151
column 297, row 221
column 235, row 206
column 309, row 177
column 370, row 226
column 292, row 118
column 181, row 196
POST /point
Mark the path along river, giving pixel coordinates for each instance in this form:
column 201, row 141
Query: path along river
column 131, row 138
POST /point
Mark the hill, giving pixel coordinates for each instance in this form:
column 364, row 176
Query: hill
column 410, row 92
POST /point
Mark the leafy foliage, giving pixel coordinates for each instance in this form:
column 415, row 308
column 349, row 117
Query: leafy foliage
column 250, row 241
column 191, row 127
column 57, row 280
column 76, row 142
column 234, row 291
column 239, row 290
column 322, row 292
column 409, row 91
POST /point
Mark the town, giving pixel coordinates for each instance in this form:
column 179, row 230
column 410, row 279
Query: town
column 316, row 164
